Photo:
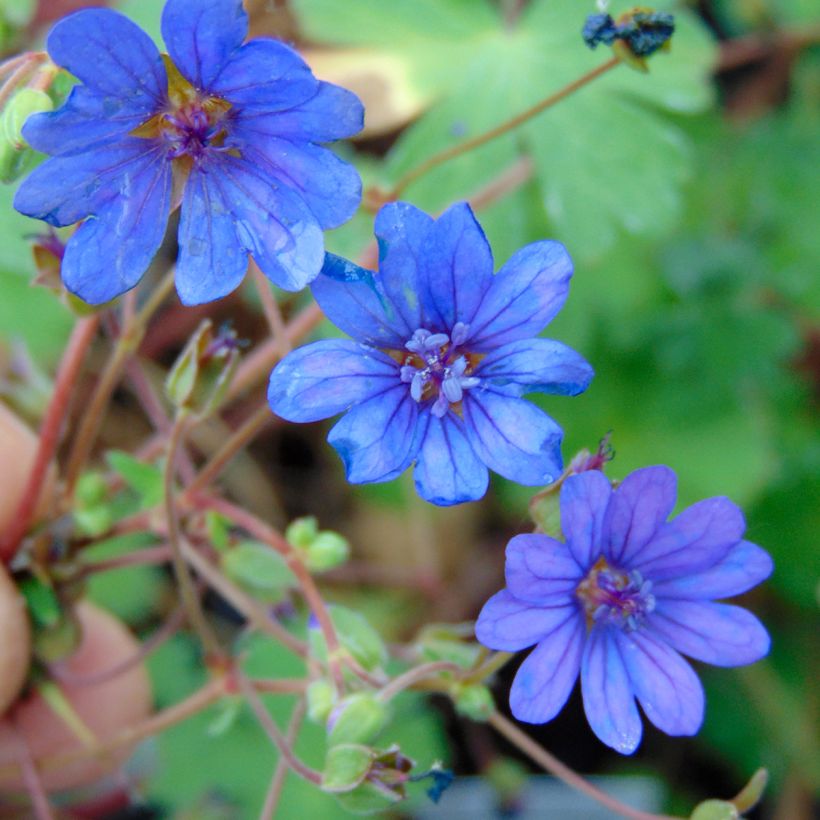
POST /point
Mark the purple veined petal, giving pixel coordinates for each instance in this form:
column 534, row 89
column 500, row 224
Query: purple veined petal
column 536, row 366
column 324, row 378
column 607, row 692
column 333, row 113
column 666, row 686
column 720, row 634
column 448, row 471
column 86, row 121
column 545, row 679
column 509, row 625
column 697, row 539
column 401, row 230
column 458, row 265
column 638, row 508
column 202, row 35
column 272, row 222
column 350, row 298
column 584, row 501
column 212, row 261
column 330, row 187
column 744, row 567
column 65, row 190
column 113, row 57
column 378, row 439
column 264, row 76
column 513, row 437
column 541, row 570
column 524, row 296
column 111, row 251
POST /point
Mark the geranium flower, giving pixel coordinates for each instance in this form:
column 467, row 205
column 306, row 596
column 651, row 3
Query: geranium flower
column 442, row 352
column 227, row 129
column 621, row 599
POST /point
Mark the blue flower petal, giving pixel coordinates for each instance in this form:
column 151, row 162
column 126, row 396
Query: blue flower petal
column 378, row 439
column 666, row 686
column 458, row 266
column 608, row 700
column 401, row 230
column 65, row 190
column 545, row 679
column 202, row 35
column 448, row 470
column 584, row 500
column 523, row 297
column 113, row 57
column 349, row 297
column 86, row 121
column 264, row 76
column 111, row 251
column 513, row 437
column 509, row 625
column 211, row 261
column 330, row 187
column 694, row 541
column 720, row 634
column 333, row 113
column 322, row 379
column 744, row 567
column 541, row 570
column 536, row 365
column 229, row 210
column 639, row 507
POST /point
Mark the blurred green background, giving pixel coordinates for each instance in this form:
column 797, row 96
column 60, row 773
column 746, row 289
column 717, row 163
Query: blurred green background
column 688, row 198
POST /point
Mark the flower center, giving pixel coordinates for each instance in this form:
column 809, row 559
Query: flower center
column 192, row 121
column 613, row 596
column 436, row 369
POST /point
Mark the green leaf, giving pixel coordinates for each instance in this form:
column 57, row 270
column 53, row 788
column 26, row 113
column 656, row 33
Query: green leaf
column 606, row 162
column 145, row 479
column 259, row 569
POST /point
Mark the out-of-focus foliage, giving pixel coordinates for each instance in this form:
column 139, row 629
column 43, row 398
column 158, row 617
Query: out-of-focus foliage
column 696, row 298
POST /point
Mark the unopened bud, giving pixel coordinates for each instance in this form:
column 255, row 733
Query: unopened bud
column 358, row 718
column 200, row 377
column 321, row 698
column 328, row 550
column 473, row 701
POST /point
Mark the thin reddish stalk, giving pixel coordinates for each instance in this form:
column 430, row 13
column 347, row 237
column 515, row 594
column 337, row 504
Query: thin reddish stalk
column 81, row 338
column 262, row 532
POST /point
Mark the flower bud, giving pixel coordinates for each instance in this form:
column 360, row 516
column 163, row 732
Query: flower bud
column 346, row 767
column 15, row 154
column 473, row 701
column 358, row 718
column 328, row 550
column 715, row 810
column 356, row 636
column 321, row 698
column 200, row 377
column 301, row 531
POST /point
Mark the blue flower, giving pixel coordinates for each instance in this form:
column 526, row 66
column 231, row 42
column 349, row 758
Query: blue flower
column 227, row 130
column 621, row 599
column 442, row 352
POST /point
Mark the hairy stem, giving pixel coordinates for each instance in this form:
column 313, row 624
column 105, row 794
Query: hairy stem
column 278, row 779
column 81, row 338
column 563, row 772
column 510, row 125
column 125, row 346
column 263, row 532
column 187, row 590
column 275, row 734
